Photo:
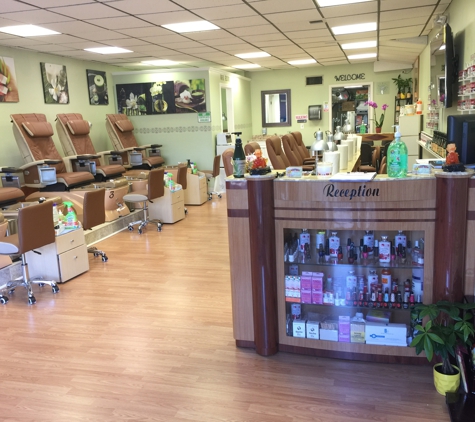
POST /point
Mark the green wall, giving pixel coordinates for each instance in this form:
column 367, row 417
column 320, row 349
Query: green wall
column 302, row 96
column 30, row 87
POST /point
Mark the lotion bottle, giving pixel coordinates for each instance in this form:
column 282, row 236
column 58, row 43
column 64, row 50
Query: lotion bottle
column 397, row 156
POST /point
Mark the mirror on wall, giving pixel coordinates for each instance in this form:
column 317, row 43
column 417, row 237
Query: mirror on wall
column 348, row 102
column 275, row 108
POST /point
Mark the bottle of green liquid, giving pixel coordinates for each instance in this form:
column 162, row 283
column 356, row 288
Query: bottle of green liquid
column 397, row 156
column 239, row 158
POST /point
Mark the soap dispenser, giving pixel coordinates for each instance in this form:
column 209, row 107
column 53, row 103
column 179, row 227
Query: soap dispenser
column 397, row 156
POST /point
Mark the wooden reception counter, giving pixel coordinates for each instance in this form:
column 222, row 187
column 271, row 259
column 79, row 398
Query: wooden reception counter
column 266, row 215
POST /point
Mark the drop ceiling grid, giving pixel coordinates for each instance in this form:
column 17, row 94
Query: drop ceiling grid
column 282, row 28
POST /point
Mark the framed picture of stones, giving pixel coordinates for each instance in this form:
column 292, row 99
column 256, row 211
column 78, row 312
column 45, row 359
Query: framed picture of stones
column 97, row 87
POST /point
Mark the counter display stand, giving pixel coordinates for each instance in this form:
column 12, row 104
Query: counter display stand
column 263, row 214
column 196, row 192
column 169, row 208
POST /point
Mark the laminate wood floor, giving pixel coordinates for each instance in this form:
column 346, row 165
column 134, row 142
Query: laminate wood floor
column 147, row 336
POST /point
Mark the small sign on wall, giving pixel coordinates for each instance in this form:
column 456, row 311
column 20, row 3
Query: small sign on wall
column 204, row 117
column 301, row 118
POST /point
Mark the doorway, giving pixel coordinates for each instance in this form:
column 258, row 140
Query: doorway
column 348, row 103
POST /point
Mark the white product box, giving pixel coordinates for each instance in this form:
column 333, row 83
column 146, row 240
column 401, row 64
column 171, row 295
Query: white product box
column 331, row 335
column 386, row 334
column 313, row 328
column 299, row 328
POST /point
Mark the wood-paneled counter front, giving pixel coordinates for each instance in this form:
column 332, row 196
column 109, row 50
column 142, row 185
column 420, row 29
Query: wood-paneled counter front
column 263, row 211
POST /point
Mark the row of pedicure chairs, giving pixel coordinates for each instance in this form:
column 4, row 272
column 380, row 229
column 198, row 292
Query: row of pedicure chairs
column 98, row 184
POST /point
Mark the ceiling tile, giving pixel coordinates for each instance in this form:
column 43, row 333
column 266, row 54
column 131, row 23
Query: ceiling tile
column 293, row 17
column 45, row 4
column 193, row 4
column 88, row 11
column 170, row 17
column 403, row 23
column 415, row 12
column 239, row 23
column 254, row 30
column 123, row 22
column 221, row 12
column 36, row 17
column 149, row 31
column 102, row 34
column 405, row 4
column 135, row 7
column 15, row 6
column 72, row 27
column 266, row 6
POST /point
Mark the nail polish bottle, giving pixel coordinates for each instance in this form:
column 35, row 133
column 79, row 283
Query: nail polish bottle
column 340, row 253
column 365, row 252
column 321, row 253
column 348, row 244
column 361, row 248
column 376, row 249
column 327, row 254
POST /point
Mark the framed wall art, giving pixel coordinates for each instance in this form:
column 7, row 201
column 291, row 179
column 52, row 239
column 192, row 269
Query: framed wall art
column 8, row 85
column 55, row 83
column 97, row 87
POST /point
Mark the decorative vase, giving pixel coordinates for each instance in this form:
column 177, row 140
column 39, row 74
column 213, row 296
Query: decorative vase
column 378, row 130
column 446, row 383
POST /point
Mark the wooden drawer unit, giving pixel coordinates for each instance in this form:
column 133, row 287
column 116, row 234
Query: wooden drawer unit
column 170, row 208
column 196, row 192
column 60, row 261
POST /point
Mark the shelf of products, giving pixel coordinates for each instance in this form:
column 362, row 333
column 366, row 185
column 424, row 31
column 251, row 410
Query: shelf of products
column 466, row 90
column 350, row 281
column 398, row 103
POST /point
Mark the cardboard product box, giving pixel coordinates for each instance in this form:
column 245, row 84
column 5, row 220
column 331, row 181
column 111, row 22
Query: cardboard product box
column 378, row 315
column 348, row 106
column 386, row 334
column 317, row 281
column 305, row 296
column 317, row 297
column 299, row 328
column 357, row 332
column 344, row 329
column 313, row 329
column 331, row 335
column 306, row 280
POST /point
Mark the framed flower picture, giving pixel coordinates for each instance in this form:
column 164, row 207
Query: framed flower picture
column 8, row 85
column 55, row 83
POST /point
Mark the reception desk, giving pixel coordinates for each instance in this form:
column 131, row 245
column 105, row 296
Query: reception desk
column 265, row 214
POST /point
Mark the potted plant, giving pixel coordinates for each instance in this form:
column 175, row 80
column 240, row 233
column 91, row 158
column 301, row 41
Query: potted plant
column 399, row 82
column 445, row 327
column 378, row 122
column 407, row 86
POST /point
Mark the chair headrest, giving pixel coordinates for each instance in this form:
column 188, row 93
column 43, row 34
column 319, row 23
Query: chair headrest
column 124, row 125
column 78, row 127
column 38, row 129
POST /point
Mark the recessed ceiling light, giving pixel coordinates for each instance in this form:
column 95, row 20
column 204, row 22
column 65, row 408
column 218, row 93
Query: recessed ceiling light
column 246, row 66
column 362, row 44
column 254, row 55
column 305, row 61
column 362, row 56
column 28, row 30
column 160, row 62
column 355, row 28
column 326, row 3
column 108, row 50
column 353, row 86
column 195, row 26
column 442, row 47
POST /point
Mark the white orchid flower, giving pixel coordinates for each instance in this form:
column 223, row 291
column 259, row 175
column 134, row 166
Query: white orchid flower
column 185, row 96
column 55, row 90
column 132, row 102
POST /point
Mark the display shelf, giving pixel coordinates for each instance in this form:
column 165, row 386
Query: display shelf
column 466, row 95
column 398, row 103
column 424, row 151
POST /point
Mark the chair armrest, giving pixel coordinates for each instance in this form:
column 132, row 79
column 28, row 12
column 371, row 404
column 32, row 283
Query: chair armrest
column 48, row 162
column 110, row 153
column 309, row 160
column 152, row 146
column 9, row 170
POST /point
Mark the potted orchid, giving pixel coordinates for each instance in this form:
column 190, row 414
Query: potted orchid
column 378, row 123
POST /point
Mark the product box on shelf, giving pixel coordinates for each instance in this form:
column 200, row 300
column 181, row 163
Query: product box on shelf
column 357, row 332
column 344, row 329
column 299, row 328
column 306, row 280
column 292, row 288
column 313, row 328
column 378, row 315
column 386, row 334
column 305, row 296
column 329, row 330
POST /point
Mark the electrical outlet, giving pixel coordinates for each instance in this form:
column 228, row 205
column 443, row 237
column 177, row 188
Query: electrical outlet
column 301, row 125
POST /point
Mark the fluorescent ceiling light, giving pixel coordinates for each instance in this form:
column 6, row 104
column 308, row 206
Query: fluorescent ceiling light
column 254, row 55
column 246, row 66
column 160, row 62
column 195, row 26
column 362, row 44
column 27, row 30
column 354, row 29
column 108, row 50
column 305, row 61
column 353, row 86
column 442, row 47
column 362, row 56
column 326, row 3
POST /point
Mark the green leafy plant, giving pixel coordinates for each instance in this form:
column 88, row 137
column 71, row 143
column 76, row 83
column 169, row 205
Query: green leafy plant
column 447, row 326
column 399, row 82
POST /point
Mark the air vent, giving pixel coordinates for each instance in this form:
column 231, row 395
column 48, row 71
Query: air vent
column 314, row 80
column 224, row 78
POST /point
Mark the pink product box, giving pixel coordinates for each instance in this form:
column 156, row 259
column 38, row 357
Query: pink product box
column 344, row 329
column 317, row 297
column 306, row 280
column 317, row 281
column 305, row 296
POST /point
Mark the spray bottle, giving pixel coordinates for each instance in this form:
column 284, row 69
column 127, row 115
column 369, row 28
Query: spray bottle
column 71, row 217
column 397, row 156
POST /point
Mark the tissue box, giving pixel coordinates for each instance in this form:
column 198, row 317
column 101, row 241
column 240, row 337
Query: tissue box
column 294, row 172
column 386, row 334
